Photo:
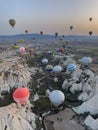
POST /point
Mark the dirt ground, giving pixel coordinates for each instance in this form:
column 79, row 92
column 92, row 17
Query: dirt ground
column 63, row 121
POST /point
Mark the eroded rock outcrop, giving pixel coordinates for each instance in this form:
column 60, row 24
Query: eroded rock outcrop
column 17, row 118
column 13, row 76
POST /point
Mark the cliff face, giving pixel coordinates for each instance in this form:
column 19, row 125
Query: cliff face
column 13, row 76
column 13, row 116
column 17, row 118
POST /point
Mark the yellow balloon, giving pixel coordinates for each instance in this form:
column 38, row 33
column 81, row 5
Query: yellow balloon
column 15, row 47
column 21, row 40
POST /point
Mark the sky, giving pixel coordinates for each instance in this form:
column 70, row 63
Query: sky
column 49, row 16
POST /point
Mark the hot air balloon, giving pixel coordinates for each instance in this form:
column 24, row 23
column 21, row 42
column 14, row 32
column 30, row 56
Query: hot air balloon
column 15, row 47
column 86, row 61
column 33, row 38
column 44, row 61
column 57, row 97
column 49, row 52
column 90, row 32
column 38, row 47
column 90, row 19
column 21, row 95
column 17, row 51
column 71, row 27
column 71, row 67
column 22, row 50
column 57, row 69
column 26, row 31
column 21, row 40
column 57, row 49
column 12, row 22
column 60, row 40
column 62, row 50
column 64, row 46
column 49, row 68
column 63, row 36
column 31, row 50
column 56, row 34
column 55, row 79
column 41, row 32
column 67, row 43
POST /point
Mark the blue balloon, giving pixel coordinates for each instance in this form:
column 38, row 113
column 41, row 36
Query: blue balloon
column 71, row 67
column 64, row 46
column 17, row 51
column 57, row 49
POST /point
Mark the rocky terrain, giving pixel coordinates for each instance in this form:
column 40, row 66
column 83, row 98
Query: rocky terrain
column 80, row 89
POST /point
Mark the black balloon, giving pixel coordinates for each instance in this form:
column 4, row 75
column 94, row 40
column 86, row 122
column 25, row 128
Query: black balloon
column 90, row 19
column 90, row 32
column 71, row 27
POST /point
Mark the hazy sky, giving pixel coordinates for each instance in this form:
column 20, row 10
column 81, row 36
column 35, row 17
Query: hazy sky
column 49, row 16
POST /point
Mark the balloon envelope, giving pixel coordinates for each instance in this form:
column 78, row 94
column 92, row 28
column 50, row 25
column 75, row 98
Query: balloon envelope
column 49, row 52
column 56, row 34
column 71, row 67
column 22, row 50
column 41, row 33
column 86, row 61
column 49, row 68
column 12, row 22
column 57, row 49
column 21, row 40
column 57, row 97
column 90, row 19
column 62, row 50
column 17, row 51
column 44, row 61
column 71, row 27
column 26, row 31
column 57, row 69
column 90, row 32
column 21, row 95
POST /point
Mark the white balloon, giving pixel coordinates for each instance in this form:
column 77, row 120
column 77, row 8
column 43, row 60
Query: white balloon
column 57, row 97
column 86, row 61
column 57, row 69
column 49, row 52
column 55, row 79
column 44, row 61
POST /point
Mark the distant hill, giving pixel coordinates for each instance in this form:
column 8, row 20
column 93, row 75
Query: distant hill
column 45, row 38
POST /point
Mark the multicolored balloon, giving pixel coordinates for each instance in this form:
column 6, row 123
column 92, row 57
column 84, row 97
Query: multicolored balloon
column 49, row 68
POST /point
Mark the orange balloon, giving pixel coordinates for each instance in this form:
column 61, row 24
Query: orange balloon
column 21, row 95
